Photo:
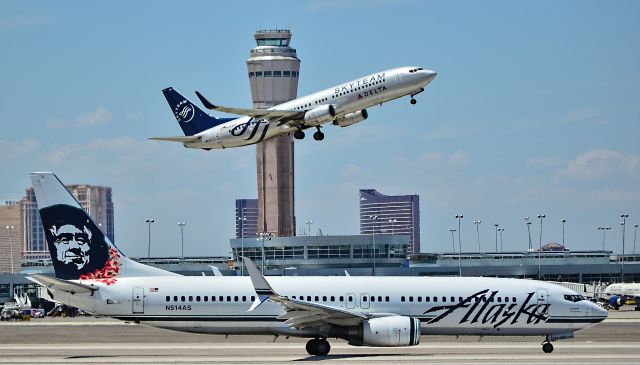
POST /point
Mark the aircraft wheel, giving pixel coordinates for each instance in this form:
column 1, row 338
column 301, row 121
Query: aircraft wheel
column 299, row 134
column 547, row 347
column 413, row 101
column 311, row 346
column 318, row 136
column 323, row 347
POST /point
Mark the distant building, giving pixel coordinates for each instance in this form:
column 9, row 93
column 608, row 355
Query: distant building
column 95, row 200
column 246, row 218
column 11, row 237
column 390, row 215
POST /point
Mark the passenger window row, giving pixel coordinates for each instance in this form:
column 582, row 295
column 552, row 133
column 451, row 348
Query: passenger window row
column 213, row 298
column 274, row 74
column 358, row 88
column 452, row 299
column 332, row 298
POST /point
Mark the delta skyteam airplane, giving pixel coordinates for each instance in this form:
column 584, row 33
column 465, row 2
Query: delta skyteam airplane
column 93, row 275
column 343, row 105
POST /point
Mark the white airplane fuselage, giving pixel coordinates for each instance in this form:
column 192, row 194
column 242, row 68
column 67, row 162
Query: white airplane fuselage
column 220, row 305
column 346, row 98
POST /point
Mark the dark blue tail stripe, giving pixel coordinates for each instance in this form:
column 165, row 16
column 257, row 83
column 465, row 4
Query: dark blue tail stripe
column 192, row 119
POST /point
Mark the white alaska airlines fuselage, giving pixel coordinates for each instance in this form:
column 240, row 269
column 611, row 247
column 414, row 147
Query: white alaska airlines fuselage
column 93, row 275
column 343, row 105
column 444, row 306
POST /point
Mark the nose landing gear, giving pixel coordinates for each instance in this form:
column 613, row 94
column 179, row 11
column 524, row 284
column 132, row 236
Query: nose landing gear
column 414, row 101
column 547, row 346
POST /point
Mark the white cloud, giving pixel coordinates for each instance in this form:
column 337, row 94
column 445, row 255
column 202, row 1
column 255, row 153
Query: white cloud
column 601, row 163
column 457, row 158
column 99, row 117
column 133, row 115
column 590, row 115
column 11, row 150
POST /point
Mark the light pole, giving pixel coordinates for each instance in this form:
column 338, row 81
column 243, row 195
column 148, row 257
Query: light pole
column 624, row 217
column 308, row 222
column 604, row 231
column 528, row 222
column 563, row 222
column 496, row 225
column 477, row 223
column 262, row 236
column 501, row 230
column 181, row 225
column 149, row 221
column 11, row 229
column 635, row 232
column 459, row 217
column 374, row 218
column 453, row 240
column 540, row 216
column 242, row 221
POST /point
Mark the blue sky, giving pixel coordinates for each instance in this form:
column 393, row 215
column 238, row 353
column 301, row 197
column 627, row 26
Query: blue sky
column 535, row 110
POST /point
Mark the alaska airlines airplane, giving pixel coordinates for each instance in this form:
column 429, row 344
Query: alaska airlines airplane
column 93, row 275
column 343, row 105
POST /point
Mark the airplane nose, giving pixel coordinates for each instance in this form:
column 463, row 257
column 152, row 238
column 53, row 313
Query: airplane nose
column 428, row 75
column 598, row 311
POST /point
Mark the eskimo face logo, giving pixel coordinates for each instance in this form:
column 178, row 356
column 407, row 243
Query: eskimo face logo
column 72, row 244
column 184, row 111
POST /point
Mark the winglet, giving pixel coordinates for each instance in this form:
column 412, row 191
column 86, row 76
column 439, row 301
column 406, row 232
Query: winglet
column 207, row 104
column 260, row 284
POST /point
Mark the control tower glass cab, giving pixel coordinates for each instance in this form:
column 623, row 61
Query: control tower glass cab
column 273, row 68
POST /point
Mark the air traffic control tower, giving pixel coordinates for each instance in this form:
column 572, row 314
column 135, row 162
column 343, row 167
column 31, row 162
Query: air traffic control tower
column 273, row 75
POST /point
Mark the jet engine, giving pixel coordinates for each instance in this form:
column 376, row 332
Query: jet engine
column 352, row 118
column 319, row 114
column 616, row 302
column 389, row 331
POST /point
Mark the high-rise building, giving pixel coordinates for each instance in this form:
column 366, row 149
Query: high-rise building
column 273, row 75
column 246, row 218
column 95, row 200
column 10, row 237
column 390, row 215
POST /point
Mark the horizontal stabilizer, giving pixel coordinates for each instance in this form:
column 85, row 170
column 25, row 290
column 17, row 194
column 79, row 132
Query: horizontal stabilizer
column 181, row 139
column 255, row 113
column 62, row 285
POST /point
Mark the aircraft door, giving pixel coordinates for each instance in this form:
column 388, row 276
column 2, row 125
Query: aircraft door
column 138, row 300
column 364, row 300
column 542, row 301
column 351, row 300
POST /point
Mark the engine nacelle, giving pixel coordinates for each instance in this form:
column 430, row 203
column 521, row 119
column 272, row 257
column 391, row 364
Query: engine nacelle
column 319, row 114
column 352, row 118
column 616, row 302
column 389, row 331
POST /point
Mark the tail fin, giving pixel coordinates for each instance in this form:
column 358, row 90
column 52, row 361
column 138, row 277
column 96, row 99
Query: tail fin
column 78, row 247
column 192, row 119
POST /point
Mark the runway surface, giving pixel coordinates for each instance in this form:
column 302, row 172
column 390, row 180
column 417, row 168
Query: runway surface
column 105, row 341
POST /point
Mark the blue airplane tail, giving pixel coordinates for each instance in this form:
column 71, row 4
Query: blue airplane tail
column 192, row 119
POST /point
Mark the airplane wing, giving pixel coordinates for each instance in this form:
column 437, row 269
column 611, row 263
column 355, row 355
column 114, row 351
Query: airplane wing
column 60, row 284
column 299, row 313
column 255, row 113
column 182, row 139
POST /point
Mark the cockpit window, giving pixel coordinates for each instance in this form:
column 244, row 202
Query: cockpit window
column 574, row 298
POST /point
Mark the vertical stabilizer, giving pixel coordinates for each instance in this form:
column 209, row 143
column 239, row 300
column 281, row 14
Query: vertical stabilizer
column 78, row 247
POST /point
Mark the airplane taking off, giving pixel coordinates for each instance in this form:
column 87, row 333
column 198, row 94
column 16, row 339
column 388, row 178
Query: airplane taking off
column 93, row 275
column 343, row 105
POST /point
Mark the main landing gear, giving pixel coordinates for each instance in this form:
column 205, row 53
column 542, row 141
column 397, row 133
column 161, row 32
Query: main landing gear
column 414, row 101
column 318, row 347
column 318, row 136
column 547, row 346
column 299, row 134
